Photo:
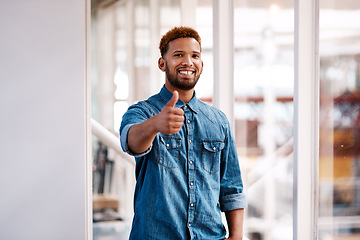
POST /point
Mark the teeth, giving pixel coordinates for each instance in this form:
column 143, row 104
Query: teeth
column 186, row 72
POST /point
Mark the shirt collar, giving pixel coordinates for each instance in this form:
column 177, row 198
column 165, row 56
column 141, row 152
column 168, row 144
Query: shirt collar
column 193, row 104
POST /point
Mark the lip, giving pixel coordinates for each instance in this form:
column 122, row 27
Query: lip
column 186, row 72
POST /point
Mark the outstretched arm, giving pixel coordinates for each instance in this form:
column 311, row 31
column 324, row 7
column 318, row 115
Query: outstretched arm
column 235, row 219
column 168, row 121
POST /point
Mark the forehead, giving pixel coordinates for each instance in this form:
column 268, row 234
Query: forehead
column 184, row 44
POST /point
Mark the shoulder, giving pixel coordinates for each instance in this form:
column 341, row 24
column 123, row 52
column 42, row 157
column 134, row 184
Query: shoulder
column 149, row 107
column 212, row 113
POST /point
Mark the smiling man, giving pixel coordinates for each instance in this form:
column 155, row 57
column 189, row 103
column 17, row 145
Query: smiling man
column 187, row 169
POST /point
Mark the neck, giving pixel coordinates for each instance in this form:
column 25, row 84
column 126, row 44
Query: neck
column 184, row 95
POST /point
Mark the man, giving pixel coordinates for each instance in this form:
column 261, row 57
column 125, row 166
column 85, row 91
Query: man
column 187, row 169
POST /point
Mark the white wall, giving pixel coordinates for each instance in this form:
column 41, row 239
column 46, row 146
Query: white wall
column 43, row 124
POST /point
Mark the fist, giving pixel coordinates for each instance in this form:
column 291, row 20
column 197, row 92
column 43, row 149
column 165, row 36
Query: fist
column 170, row 119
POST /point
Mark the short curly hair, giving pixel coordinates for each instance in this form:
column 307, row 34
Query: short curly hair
column 175, row 33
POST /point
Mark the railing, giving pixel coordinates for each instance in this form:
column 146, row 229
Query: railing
column 123, row 173
column 109, row 139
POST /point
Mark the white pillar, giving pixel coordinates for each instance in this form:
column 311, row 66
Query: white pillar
column 223, row 30
column 107, row 66
column 269, row 149
column 306, row 120
column 130, row 8
column 156, row 77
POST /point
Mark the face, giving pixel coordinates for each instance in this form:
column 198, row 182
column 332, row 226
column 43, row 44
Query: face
column 182, row 63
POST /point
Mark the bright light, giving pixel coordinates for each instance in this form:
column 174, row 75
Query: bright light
column 274, row 9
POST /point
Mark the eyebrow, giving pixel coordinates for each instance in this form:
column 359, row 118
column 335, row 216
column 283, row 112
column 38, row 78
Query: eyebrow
column 179, row 51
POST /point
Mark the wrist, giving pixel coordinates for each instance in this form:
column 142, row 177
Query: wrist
column 234, row 237
column 151, row 126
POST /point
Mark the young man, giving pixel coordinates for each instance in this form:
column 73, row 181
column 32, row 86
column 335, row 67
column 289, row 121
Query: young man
column 187, row 169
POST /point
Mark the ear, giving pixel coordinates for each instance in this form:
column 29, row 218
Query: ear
column 202, row 66
column 161, row 64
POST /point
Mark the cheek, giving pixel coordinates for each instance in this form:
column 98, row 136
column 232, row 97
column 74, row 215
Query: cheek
column 175, row 63
column 171, row 65
column 200, row 67
column 199, row 64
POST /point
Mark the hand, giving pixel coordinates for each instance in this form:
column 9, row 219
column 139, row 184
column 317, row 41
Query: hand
column 170, row 119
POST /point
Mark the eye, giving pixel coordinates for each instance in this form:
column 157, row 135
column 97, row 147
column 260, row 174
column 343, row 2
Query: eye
column 178, row 55
column 196, row 56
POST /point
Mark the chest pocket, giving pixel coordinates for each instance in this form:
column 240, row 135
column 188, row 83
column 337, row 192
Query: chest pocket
column 211, row 154
column 169, row 151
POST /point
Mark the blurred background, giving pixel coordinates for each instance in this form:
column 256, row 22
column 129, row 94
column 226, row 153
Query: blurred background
column 125, row 35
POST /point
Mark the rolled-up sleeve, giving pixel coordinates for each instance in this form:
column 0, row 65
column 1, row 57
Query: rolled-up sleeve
column 231, row 185
column 134, row 115
column 125, row 146
column 232, row 202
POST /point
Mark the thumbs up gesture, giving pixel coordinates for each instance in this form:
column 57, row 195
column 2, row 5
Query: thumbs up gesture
column 170, row 119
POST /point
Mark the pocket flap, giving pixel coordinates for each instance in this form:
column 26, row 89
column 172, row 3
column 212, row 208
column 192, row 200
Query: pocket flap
column 171, row 142
column 213, row 145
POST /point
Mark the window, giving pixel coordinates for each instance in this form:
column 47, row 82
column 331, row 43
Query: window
column 264, row 81
column 339, row 163
column 127, row 38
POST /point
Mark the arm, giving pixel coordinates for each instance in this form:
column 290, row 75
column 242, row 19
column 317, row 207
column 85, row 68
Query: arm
column 232, row 200
column 168, row 121
column 235, row 219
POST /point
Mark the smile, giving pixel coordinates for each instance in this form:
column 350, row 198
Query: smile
column 184, row 72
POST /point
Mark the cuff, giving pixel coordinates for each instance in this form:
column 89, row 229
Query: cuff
column 232, row 202
column 125, row 146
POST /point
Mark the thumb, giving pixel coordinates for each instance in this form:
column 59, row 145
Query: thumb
column 172, row 102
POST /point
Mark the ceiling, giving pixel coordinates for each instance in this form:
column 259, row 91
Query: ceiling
column 324, row 4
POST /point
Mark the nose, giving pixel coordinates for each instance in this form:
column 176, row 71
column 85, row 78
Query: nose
column 187, row 60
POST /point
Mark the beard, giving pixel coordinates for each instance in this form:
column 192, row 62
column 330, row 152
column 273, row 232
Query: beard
column 177, row 83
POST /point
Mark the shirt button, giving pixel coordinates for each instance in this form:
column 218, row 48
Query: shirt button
column 214, row 148
column 191, row 162
column 188, row 121
column 167, row 145
column 189, row 225
column 191, row 183
column 190, row 141
column 192, row 205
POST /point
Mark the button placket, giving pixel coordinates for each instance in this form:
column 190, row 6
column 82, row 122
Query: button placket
column 191, row 165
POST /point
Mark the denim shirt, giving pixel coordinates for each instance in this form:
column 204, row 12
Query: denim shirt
column 184, row 180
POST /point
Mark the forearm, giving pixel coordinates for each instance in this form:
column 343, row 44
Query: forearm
column 235, row 219
column 141, row 136
column 168, row 121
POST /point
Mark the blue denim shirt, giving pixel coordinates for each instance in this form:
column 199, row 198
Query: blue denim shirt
column 184, row 180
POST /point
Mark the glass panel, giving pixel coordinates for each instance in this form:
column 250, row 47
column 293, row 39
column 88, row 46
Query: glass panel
column 137, row 75
column 264, row 79
column 120, row 108
column 339, row 163
column 133, row 30
column 169, row 14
